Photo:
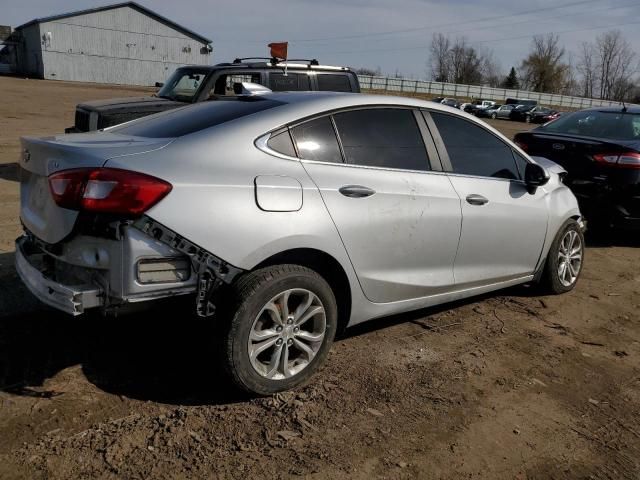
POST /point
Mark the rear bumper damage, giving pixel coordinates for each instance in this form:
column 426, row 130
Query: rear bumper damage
column 147, row 261
column 71, row 299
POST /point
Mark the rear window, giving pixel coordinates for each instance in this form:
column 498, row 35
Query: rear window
column 608, row 125
column 191, row 119
column 330, row 82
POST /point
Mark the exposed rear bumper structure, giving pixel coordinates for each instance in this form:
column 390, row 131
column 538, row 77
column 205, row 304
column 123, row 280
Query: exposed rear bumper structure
column 72, row 299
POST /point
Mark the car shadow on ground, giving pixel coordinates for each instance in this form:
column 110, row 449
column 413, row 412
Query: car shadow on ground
column 9, row 171
column 164, row 354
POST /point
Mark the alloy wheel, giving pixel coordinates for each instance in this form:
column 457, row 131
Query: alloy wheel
column 287, row 334
column 569, row 258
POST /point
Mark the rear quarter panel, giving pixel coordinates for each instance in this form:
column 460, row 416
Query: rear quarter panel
column 213, row 201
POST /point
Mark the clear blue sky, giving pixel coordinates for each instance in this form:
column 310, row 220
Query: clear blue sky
column 393, row 35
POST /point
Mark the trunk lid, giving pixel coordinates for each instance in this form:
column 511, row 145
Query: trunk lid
column 46, row 155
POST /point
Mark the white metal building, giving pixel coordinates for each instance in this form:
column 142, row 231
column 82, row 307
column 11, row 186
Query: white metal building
column 124, row 43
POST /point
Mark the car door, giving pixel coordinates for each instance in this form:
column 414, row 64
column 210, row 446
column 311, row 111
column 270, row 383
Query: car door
column 503, row 226
column 398, row 216
column 504, row 111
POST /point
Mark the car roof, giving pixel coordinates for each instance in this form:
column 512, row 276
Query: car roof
column 298, row 105
column 629, row 109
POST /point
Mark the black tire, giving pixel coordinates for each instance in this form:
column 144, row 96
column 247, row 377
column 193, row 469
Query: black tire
column 527, row 119
column 249, row 295
column 551, row 281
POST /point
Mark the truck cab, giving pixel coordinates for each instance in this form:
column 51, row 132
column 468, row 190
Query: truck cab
column 199, row 83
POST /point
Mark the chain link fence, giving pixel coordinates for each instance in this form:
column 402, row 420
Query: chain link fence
column 439, row 89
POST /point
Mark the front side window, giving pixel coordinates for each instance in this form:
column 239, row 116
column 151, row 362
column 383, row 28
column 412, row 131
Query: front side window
column 316, row 140
column 292, row 82
column 382, row 137
column 224, row 85
column 473, row 150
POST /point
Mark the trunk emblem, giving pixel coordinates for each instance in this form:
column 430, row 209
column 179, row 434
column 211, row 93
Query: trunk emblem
column 26, row 155
column 557, row 146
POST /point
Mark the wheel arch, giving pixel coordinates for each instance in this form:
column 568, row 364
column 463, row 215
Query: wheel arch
column 327, row 267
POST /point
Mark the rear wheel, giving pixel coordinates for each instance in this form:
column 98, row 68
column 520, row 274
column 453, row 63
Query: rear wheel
column 565, row 259
column 281, row 325
column 527, row 119
column 494, row 116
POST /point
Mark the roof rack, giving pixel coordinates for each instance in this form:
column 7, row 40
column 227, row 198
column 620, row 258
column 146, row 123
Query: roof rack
column 274, row 61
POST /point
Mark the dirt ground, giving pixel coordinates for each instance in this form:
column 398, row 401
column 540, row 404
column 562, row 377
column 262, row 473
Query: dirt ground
column 510, row 385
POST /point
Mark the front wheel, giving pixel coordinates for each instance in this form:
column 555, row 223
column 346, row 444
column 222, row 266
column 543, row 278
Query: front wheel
column 493, row 116
column 281, row 325
column 565, row 259
column 527, row 119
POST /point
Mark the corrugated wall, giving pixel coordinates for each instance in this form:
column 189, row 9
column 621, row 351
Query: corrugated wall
column 121, row 46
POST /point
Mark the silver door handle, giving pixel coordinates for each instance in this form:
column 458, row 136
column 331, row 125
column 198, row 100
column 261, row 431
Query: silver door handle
column 475, row 199
column 356, row 191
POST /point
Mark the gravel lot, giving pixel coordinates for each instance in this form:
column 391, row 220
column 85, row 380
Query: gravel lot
column 511, row 385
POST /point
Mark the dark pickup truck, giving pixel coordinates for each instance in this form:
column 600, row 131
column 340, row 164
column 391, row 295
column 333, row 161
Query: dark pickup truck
column 194, row 84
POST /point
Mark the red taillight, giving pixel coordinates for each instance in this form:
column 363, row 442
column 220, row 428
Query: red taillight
column 522, row 145
column 107, row 190
column 619, row 160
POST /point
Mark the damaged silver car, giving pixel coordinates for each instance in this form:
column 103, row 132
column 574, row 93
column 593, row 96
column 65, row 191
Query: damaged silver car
column 290, row 216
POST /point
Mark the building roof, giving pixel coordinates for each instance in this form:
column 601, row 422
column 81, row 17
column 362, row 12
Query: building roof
column 133, row 5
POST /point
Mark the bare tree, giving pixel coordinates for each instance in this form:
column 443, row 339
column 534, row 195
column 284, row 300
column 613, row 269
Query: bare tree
column 491, row 69
column 459, row 62
column 587, row 69
column 615, row 65
column 440, row 46
column 544, row 69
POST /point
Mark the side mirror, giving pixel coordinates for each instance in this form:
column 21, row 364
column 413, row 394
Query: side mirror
column 159, row 84
column 535, row 176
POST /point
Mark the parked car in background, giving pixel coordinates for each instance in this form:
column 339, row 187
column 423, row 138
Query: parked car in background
column 520, row 101
column 450, row 102
column 522, row 113
column 500, row 111
column 437, row 99
column 600, row 149
column 407, row 204
column 199, row 83
column 478, row 105
column 464, row 105
column 542, row 115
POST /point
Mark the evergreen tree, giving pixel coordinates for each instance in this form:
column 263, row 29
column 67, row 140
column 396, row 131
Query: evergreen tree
column 511, row 80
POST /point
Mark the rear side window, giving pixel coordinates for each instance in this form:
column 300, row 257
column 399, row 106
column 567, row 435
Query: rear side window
column 282, row 143
column 473, row 150
column 333, row 82
column 292, row 82
column 191, row 119
column 383, row 137
column 316, row 140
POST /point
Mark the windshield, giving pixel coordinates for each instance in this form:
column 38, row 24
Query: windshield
column 183, row 85
column 609, row 125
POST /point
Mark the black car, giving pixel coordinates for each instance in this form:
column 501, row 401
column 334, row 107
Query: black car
column 194, row 84
column 600, row 149
column 542, row 115
column 522, row 113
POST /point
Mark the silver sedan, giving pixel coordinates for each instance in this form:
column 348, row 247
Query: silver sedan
column 289, row 217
